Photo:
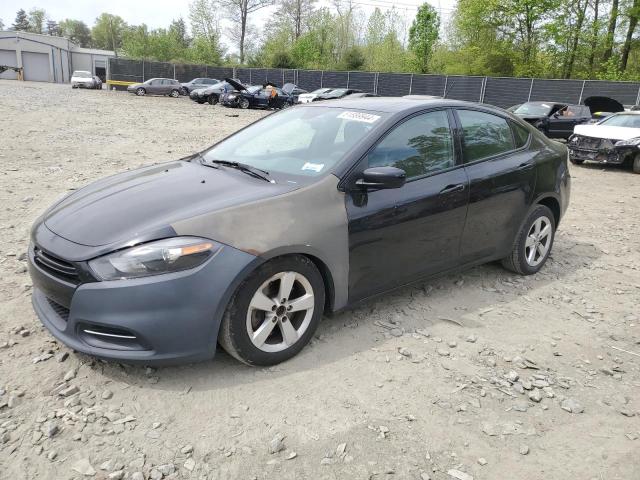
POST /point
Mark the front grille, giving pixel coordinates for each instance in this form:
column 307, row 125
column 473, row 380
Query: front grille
column 62, row 312
column 588, row 143
column 56, row 266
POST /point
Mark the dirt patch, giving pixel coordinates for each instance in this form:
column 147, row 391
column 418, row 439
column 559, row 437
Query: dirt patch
column 483, row 373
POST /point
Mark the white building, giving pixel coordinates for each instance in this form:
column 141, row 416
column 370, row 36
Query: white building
column 45, row 58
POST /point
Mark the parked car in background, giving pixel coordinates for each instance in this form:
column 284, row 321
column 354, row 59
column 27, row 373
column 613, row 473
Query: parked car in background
column 335, row 94
column 309, row 210
column 294, row 91
column 422, row 97
column 555, row 120
column 614, row 140
column 156, row 86
column 258, row 96
column 197, row 83
column 308, row 97
column 82, row 79
column 211, row 94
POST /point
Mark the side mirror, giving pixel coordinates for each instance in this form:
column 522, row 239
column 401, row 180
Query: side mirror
column 382, row 178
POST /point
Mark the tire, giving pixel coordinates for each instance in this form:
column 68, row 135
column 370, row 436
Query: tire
column 521, row 259
column 576, row 161
column 184, row 91
column 141, row 92
column 636, row 164
column 201, row 101
column 243, row 103
column 174, row 93
column 256, row 307
column 213, row 99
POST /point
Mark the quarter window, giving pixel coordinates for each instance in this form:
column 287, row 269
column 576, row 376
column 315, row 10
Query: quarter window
column 484, row 135
column 520, row 135
column 420, row 146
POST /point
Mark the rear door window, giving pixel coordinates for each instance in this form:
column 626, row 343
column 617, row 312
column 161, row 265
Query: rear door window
column 484, row 135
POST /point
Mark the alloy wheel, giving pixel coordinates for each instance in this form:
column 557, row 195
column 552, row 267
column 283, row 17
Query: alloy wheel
column 538, row 241
column 140, row 92
column 280, row 312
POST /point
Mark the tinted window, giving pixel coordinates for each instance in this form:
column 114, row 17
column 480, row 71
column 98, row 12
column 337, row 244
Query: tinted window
column 484, row 135
column 520, row 134
column 419, row 146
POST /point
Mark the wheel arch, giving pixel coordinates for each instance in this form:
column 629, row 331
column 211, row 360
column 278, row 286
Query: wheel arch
column 552, row 203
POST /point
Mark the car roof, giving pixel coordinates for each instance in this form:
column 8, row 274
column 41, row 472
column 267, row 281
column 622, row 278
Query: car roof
column 395, row 104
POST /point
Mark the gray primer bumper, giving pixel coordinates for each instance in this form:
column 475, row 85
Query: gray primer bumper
column 174, row 317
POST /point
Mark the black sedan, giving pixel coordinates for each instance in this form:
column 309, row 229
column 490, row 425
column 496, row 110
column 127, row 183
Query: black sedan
column 555, row 120
column 211, row 94
column 336, row 93
column 258, row 96
column 307, row 211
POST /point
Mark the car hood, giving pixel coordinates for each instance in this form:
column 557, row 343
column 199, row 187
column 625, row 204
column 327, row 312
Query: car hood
column 603, row 104
column 234, row 84
column 125, row 206
column 606, row 131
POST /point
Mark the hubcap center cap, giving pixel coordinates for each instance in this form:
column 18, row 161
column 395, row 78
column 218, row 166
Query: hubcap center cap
column 281, row 310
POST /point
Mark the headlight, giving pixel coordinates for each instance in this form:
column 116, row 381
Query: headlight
column 633, row 142
column 155, row 258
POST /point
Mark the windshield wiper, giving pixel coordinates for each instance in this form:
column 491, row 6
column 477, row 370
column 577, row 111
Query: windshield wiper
column 243, row 167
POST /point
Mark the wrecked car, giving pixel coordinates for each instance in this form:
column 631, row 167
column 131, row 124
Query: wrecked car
column 308, row 97
column 212, row 93
column 614, row 140
column 304, row 212
column 555, row 120
column 259, row 96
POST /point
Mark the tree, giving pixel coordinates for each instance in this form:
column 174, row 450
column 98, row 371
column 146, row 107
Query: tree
column 611, row 31
column 297, row 13
column 206, row 30
column 178, row 31
column 353, row 59
column 238, row 12
column 53, row 28
column 76, row 31
column 37, row 17
column 21, row 23
column 423, row 35
column 594, row 37
column 634, row 14
column 107, row 32
column 282, row 60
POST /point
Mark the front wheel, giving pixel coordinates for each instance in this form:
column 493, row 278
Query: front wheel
column 274, row 313
column 533, row 243
column 243, row 103
column 213, row 99
column 141, row 92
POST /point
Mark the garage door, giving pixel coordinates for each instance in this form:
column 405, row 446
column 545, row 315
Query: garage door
column 8, row 57
column 36, row 66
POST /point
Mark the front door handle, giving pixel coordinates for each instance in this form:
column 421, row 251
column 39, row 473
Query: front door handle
column 452, row 188
column 525, row 166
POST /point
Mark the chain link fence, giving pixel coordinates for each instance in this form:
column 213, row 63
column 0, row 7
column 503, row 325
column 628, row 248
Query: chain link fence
column 499, row 91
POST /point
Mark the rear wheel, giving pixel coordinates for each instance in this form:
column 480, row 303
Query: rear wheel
column 141, row 92
column 636, row 164
column 174, row 93
column 274, row 313
column 533, row 243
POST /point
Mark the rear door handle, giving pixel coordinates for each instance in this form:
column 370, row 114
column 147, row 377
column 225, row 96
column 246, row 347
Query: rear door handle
column 452, row 188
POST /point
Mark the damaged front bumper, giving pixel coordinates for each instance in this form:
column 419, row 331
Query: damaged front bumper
column 601, row 150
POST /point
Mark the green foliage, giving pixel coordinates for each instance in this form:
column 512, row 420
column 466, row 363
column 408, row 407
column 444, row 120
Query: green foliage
column 423, row 35
column 353, row 59
column 107, row 32
column 37, row 17
column 76, row 31
column 21, row 23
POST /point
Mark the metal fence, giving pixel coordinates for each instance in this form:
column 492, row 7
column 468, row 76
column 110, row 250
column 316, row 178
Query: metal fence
column 499, row 91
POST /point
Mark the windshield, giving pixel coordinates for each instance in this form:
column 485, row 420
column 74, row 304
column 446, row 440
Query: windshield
column 630, row 121
column 321, row 90
column 81, row 74
column 301, row 141
column 337, row 92
column 533, row 109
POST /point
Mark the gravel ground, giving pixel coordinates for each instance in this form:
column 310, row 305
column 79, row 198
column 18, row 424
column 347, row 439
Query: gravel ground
column 482, row 375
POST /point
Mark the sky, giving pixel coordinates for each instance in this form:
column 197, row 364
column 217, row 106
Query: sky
column 159, row 13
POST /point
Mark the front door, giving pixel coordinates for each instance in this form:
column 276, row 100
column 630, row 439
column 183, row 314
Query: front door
column 502, row 180
column 561, row 123
column 400, row 235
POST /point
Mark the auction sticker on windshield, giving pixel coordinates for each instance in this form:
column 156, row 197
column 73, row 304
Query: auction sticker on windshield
column 359, row 116
column 316, row 167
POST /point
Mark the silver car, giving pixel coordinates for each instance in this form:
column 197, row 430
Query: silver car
column 156, row 86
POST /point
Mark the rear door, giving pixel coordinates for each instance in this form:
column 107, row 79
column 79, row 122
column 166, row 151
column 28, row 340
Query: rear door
column 399, row 235
column 502, row 178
